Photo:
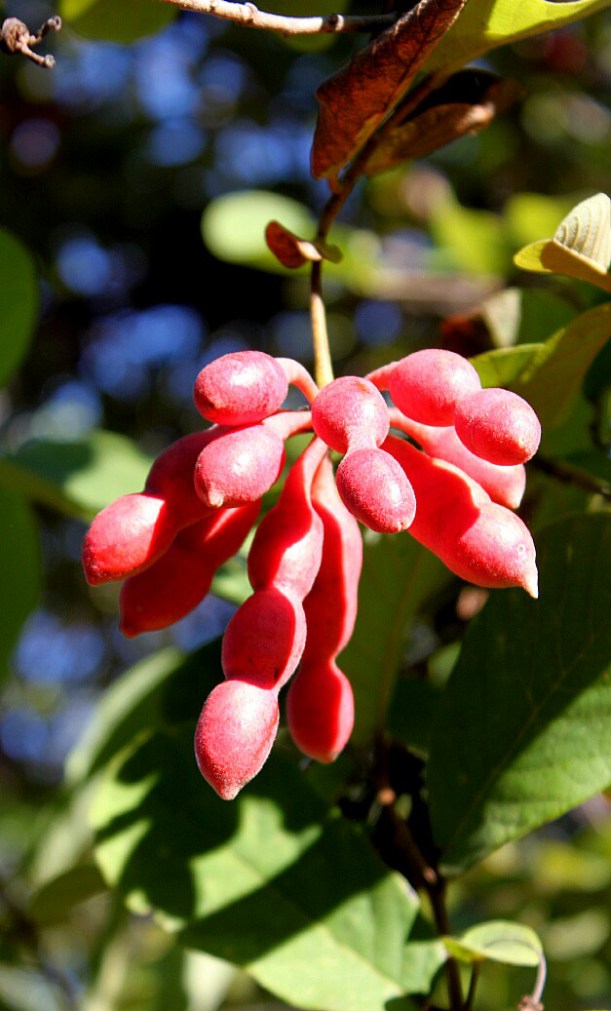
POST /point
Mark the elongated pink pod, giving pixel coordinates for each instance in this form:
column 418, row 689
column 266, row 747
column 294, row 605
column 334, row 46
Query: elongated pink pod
column 320, row 710
column 287, row 546
column 331, row 605
column 499, row 426
column 135, row 530
column 234, row 736
column 376, row 490
column 264, row 639
column 127, row 536
column 350, row 413
column 241, row 464
column 179, row 580
column 427, row 385
column 240, row 388
column 505, row 485
column 477, row 539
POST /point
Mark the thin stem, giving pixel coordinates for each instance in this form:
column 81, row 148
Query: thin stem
column 323, row 368
column 475, row 971
column 249, row 16
column 438, row 902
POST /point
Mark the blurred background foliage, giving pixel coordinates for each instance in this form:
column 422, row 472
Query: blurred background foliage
column 131, row 179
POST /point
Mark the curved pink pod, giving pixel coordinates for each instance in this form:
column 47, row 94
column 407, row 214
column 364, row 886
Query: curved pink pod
column 376, row 490
column 349, row 413
column 234, row 735
column 240, row 388
column 498, row 426
column 427, row 385
column 320, row 710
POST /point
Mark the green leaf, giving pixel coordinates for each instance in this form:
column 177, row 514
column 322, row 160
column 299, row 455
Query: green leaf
column 552, row 380
column 411, row 713
column 398, row 577
column 497, row 941
column 55, row 900
column 581, row 246
column 272, row 881
column 116, row 20
column 486, row 24
column 547, row 256
column 522, row 733
column 78, row 478
column 20, row 568
column 504, row 366
column 18, row 302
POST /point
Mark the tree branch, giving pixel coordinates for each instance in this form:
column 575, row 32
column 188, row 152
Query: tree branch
column 249, row 16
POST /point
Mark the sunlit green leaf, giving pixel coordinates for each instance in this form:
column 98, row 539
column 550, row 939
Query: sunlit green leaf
column 20, row 568
column 504, row 366
column 486, row 24
column 18, row 302
column 398, row 577
column 521, row 734
column 547, row 256
column 116, row 20
column 580, row 248
column 498, row 941
column 79, row 478
column 256, row 881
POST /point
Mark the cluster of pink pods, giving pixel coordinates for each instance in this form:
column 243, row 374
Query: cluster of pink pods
column 453, row 483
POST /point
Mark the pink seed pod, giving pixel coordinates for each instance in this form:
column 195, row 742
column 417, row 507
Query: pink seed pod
column 264, row 640
column 234, row 736
column 320, row 704
column 498, row 426
column 499, row 548
column 241, row 464
column 240, row 388
column 287, row 547
column 134, row 531
column 477, row 539
column 427, row 385
column 171, row 476
column 350, row 413
column 320, row 710
column 126, row 537
column 331, row 605
column 376, row 490
column 179, row 580
column 505, row 485
column 244, row 387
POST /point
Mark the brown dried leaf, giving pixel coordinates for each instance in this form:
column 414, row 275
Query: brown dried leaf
column 293, row 252
column 360, row 96
column 447, row 114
